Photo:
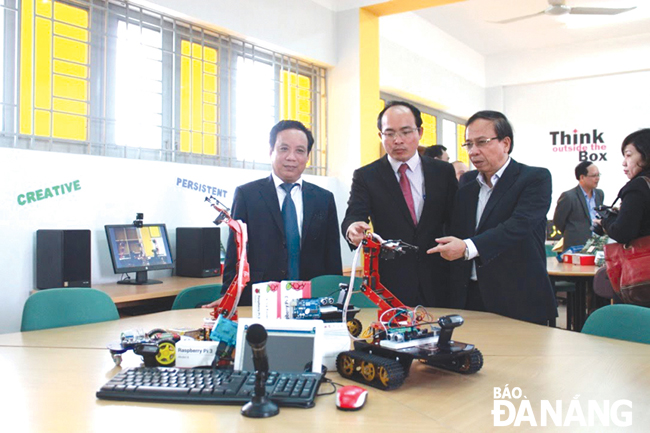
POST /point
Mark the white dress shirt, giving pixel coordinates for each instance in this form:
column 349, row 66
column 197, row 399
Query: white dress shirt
column 484, row 195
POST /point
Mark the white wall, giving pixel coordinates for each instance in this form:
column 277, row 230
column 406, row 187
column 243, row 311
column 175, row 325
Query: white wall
column 419, row 59
column 297, row 27
column 614, row 105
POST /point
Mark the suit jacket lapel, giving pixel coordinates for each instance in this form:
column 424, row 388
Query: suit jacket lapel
column 429, row 185
column 389, row 179
column 270, row 197
column 583, row 201
column 474, row 188
column 599, row 197
column 309, row 204
column 503, row 185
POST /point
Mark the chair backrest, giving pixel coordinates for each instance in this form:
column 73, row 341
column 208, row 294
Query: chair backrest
column 328, row 285
column 620, row 321
column 194, row 297
column 69, row 306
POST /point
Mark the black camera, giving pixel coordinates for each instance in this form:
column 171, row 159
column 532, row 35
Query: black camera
column 138, row 220
column 603, row 212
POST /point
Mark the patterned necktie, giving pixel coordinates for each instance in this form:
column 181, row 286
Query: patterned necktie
column 291, row 231
column 405, row 185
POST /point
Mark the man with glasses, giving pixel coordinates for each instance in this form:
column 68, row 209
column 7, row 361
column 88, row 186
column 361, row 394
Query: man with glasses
column 405, row 197
column 497, row 254
column 575, row 208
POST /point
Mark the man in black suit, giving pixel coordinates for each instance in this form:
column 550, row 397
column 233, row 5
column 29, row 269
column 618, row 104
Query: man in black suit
column 575, row 212
column 406, row 197
column 497, row 254
column 259, row 204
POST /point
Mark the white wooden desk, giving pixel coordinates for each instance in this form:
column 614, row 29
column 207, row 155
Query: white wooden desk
column 50, row 378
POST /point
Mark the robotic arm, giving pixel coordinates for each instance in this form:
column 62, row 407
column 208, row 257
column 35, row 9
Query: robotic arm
column 228, row 305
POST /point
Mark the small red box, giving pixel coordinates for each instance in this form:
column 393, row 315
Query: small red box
column 583, row 259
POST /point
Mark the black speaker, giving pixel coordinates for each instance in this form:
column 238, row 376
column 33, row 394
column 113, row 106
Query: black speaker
column 198, row 252
column 62, row 258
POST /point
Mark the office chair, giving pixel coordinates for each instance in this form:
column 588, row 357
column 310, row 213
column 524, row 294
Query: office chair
column 620, row 321
column 55, row 308
column 328, row 285
column 195, row 297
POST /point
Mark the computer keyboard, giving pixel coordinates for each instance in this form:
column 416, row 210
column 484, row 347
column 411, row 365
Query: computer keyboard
column 208, row 386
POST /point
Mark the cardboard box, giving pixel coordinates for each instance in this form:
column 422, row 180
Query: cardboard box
column 272, row 300
column 266, row 300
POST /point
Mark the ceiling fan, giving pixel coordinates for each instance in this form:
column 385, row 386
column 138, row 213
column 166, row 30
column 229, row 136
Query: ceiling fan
column 559, row 7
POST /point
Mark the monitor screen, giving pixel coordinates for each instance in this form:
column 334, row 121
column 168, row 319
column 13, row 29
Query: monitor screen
column 291, row 345
column 139, row 249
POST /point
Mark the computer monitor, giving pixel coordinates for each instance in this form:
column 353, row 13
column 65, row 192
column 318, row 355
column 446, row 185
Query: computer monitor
column 139, row 249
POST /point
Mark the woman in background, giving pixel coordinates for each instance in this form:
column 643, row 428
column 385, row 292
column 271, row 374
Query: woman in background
column 633, row 218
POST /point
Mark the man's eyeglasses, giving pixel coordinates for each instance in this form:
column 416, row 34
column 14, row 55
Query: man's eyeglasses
column 594, row 175
column 404, row 133
column 480, row 143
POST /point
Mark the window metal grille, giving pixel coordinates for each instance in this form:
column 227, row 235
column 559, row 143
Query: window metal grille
column 116, row 79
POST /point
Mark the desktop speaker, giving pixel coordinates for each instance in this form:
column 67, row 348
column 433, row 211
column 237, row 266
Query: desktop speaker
column 62, row 258
column 198, row 252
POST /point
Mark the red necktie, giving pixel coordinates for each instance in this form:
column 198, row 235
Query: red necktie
column 405, row 185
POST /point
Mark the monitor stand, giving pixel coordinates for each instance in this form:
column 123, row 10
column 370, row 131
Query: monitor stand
column 140, row 279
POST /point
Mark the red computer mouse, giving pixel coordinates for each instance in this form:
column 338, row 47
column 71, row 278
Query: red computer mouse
column 351, row 397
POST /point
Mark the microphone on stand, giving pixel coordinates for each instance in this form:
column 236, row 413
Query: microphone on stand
column 260, row 406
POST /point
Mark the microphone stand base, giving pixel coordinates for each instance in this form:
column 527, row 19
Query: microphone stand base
column 260, row 407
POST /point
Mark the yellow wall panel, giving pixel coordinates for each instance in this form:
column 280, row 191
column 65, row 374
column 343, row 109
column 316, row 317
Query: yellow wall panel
column 197, row 142
column 209, row 145
column 197, row 51
column 461, row 151
column 210, row 55
column 185, row 141
column 197, row 92
column 73, row 51
column 69, row 106
column 43, row 64
column 42, row 123
column 70, row 87
column 66, row 30
column 209, row 98
column 185, row 91
column 43, row 8
column 67, row 68
column 70, row 14
column 209, row 83
column 68, row 126
column 26, row 65
column 199, row 87
column 185, row 48
column 209, row 113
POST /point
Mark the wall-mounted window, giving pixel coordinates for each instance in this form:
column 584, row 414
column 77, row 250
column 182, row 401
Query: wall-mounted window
column 115, row 79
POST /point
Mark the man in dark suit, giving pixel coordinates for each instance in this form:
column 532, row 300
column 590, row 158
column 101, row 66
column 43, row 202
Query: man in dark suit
column 259, row 204
column 498, row 260
column 575, row 212
column 406, row 197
